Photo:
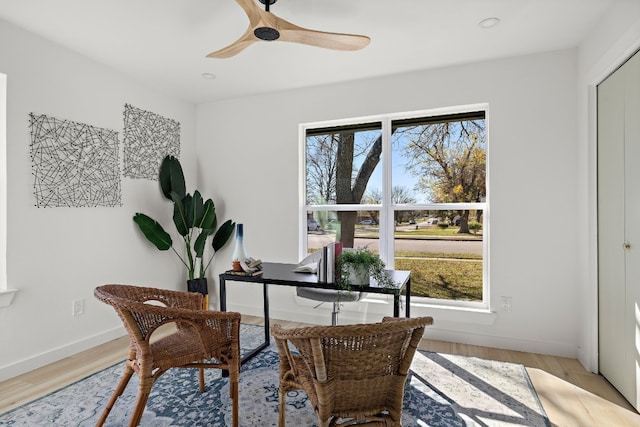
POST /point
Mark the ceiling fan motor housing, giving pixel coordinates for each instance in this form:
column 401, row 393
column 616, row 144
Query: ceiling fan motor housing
column 266, row 33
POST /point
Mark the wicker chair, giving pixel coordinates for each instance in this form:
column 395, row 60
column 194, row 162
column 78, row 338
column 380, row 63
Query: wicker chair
column 201, row 339
column 352, row 374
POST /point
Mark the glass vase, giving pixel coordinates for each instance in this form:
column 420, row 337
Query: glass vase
column 239, row 252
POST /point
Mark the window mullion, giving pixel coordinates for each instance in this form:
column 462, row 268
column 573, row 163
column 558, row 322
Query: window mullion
column 386, row 246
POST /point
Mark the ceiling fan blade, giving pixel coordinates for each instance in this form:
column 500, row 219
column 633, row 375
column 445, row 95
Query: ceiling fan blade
column 236, row 47
column 338, row 41
column 335, row 41
column 255, row 15
column 264, row 25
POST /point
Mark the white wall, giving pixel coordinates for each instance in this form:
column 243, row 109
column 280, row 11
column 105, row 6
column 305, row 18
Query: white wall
column 533, row 184
column 56, row 255
column 610, row 43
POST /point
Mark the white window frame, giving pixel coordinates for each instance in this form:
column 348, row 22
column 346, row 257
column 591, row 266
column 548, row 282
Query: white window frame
column 6, row 294
column 386, row 245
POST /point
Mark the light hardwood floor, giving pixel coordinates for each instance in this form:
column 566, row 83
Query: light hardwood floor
column 570, row 395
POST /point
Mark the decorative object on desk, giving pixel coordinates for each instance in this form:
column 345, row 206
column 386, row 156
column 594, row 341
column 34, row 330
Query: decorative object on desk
column 309, row 267
column 248, row 267
column 239, row 252
column 327, row 263
column 194, row 218
column 358, row 266
column 244, row 273
column 309, row 264
column 241, row 261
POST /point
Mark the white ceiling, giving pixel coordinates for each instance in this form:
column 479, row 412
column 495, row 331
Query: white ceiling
column 163, row 43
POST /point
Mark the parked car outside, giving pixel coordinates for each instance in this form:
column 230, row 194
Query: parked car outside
column 312, row 225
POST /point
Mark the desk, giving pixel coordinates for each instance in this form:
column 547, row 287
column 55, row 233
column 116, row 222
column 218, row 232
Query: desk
column 282, row 274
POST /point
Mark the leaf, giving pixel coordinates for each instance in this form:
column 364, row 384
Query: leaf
column 201, row 242
column 196, row 210
column 153, row 231
column 223, row 234
column 208, row 219
column 171, row 178
column 180, row 214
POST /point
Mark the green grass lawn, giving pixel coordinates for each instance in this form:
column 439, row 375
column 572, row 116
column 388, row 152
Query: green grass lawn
column 444, row 278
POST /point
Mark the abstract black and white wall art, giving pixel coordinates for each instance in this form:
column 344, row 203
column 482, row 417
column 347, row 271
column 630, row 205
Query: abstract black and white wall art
column 148, row 138
column 74, row 164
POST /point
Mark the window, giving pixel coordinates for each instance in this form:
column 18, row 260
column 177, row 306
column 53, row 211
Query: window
column 411, row 187
column 5, row 294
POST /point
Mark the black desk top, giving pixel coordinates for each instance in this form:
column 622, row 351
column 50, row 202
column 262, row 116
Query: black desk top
column 283, row 274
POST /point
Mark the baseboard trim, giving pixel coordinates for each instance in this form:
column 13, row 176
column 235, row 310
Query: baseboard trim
column 502, row 342
column 58, row 353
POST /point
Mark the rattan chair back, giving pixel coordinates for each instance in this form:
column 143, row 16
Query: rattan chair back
column 351, row 373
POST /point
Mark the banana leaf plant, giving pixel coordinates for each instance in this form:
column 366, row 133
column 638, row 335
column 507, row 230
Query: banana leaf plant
column 195, row 220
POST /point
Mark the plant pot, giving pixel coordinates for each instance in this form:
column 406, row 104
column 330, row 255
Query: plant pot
column 200, row 285
column 358, row 275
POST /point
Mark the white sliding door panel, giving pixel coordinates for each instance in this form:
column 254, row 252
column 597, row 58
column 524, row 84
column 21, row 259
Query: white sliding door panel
column 619, row 229
column 611, row 267
column 632, row 223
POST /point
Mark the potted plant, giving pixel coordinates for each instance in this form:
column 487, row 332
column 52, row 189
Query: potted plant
column 358, row 266
column 195, row 221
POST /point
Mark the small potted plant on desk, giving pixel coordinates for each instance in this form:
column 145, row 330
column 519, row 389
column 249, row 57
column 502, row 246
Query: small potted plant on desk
column 195, row 221
column 358, row 266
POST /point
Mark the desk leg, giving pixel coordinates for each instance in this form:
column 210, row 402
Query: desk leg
column 267, row 328
column 223, row 307
column 267, row 336
column 396, row 305
column 254, row 352
column 407, row 299
column 223, row 295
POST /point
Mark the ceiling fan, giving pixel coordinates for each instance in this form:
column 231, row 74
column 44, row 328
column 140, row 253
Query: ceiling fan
column 264, row 25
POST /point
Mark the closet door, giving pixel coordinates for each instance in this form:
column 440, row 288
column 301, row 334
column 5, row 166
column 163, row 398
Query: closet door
column 632, row 225
column 619, row 228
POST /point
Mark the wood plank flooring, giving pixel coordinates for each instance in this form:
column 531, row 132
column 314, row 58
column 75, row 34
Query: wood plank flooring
column 570, row 395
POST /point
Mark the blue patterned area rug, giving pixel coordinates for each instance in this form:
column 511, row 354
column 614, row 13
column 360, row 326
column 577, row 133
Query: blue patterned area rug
column 443, row 390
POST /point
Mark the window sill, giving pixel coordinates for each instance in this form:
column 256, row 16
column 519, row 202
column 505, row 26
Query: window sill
column 6, row 296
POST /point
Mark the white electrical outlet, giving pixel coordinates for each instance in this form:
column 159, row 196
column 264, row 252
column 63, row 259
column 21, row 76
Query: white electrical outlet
column 505, row 302
column 77, row 307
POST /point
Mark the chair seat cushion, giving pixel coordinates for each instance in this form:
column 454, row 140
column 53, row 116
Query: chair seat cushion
column 328, row 295
column 179, row 348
